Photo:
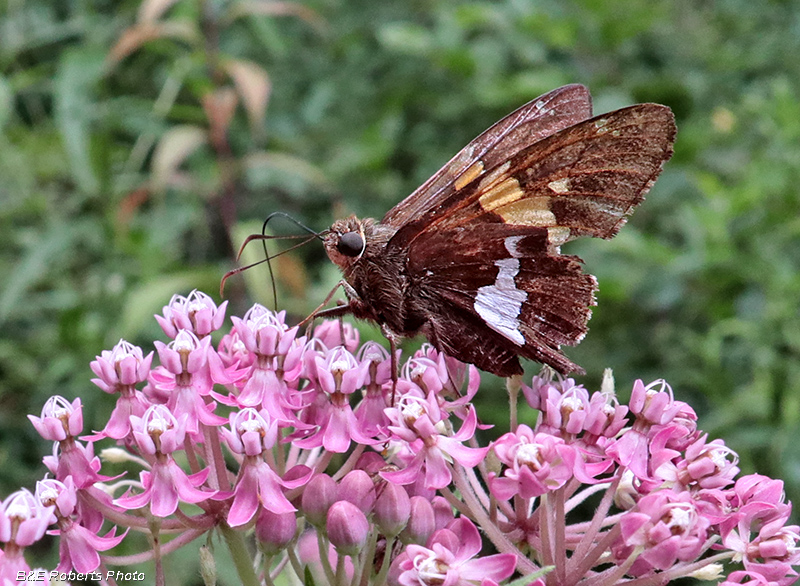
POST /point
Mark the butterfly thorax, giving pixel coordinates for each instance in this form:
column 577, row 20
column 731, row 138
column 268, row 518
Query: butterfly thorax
column 376, row 273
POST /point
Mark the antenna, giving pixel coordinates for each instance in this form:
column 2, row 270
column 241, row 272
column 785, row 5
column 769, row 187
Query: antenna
column 264, row 237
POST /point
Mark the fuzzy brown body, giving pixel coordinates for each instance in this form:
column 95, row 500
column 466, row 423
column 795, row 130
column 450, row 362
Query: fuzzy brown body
column 379, row 278
column 472, row 258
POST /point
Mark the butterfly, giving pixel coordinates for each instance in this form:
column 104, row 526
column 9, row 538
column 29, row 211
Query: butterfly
column 472, row 259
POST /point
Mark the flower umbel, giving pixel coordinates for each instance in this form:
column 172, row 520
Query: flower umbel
column 307, row 447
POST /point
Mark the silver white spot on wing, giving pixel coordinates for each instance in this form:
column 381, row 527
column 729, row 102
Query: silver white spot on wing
column 511, row 246
column 559, row 185
column 500, row 304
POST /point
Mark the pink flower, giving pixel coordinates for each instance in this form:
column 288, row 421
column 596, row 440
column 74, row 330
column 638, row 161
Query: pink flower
column 707, row 464
column 668, row 526
column 758, row 488
column 450, row 559
column 78, row 545
column 377, row 364
column 653, row 405
column 419, row 426
column 233, row 352
column 252, row 434
column 118, row 371
column 763, row 541
column 23, row 518
column 196, row 313
column 159, row 434
column 184, row 380
column 537, row 464
column 23, row 521
column 277, row 353
column 264, row 332
column 333, row 333
column 336, row 377
column 124, row 366
column 452, row 372
column 62, row 421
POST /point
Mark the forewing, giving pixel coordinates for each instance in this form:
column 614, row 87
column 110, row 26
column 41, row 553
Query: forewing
column 583, row 180
column 537, row 119
column 504, row 283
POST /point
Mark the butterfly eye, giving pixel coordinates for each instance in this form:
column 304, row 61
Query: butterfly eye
column 350, row 244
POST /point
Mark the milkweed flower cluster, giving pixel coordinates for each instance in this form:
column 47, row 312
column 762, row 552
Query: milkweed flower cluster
column 305, row 445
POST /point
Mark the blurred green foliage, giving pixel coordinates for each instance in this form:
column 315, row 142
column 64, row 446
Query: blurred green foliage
column 141, row 141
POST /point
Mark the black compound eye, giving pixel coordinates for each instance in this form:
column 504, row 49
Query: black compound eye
column 350, row 244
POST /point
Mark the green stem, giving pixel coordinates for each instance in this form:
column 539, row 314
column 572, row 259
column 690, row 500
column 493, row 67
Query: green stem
column 365, row 560
column 241, row 558
column 387, row 561
column 324, row 558
column 341, row 574
column 513, row 386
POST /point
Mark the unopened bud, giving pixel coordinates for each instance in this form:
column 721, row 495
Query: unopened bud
column 421, row 521
column 347, row 527
column 709, row 573
column 392, row 509
column 117, row 456
column 275, row 530
column 357, row 487
column 318, row 496
column 442, row 511
column 626, row 495
column 607, row 385
column 208, row 566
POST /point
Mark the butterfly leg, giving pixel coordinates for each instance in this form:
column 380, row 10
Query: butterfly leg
column 393, row 340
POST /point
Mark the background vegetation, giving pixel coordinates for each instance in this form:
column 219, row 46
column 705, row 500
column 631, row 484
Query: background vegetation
column 140, row 141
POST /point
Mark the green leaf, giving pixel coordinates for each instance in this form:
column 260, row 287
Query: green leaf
column 34, row 266
column 6, row 96
column 76, row 108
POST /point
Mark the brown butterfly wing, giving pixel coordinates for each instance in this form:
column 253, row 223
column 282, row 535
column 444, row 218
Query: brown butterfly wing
column 486, row 262
column 537, row 119
column 582, row 180
column 491, row 293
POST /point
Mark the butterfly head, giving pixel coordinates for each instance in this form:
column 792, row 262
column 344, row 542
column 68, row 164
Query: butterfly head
column 346, row 242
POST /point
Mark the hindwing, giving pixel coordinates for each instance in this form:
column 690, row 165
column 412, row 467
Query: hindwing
column 501, row 288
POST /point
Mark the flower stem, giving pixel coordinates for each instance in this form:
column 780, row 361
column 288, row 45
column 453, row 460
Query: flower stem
column 366, row 561
column 493, row 532
column 387, row 562
column 241, row 558
column 513, row 386
column 578, row 562
column 322, row 545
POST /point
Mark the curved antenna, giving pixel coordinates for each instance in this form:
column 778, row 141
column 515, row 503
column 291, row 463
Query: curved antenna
column 266, row 253
column 266, row 259
column 291, row 219
column 264, row 237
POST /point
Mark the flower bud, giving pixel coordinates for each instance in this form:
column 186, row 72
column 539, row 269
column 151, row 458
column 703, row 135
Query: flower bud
column 392, row 509
column 318, row 496
column 357, row 487
column 347, row 528
column 371, row 463
column 208, row 566
column 421, row 521
column 442, row 511
column 627, row 494
column 275, row 530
